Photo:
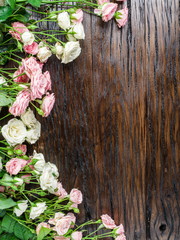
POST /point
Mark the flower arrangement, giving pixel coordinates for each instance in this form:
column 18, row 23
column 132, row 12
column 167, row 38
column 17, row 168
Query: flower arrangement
column 33, row 203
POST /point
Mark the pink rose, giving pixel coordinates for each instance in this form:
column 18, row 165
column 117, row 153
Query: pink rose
column 57, row 217
column 21, row 147
column 42, row 224
column 121, row 237
column 32, row 66
column 63, row 225
column 15, row 165
column 108, row 11
column 76, row 196
column 31, row 49
column 2, row 189
column 72, row 217
column 101, row 2
column 20, row 76
column 76, row 235
column 47, row 104
column 61, row 192
column 77, row 16
column 21, row 103
column 108, row 222
column 18, row 29
column 122, row 17
column 120, row 229
column 40, row 84
column 26, row 178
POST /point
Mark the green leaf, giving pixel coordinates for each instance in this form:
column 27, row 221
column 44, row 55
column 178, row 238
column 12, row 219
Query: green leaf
column 11, row 225
column 35, row 3
column 8, row 236
column 4, row 99
column 11, row 3
column 21, row 18
column 5, row 12
column 43, row 232
column 6, row 203
column 2, row 213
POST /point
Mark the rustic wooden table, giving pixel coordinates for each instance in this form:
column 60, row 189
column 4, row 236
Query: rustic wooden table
column 114, row 129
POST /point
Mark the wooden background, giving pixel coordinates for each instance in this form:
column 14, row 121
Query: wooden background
column 114, row 130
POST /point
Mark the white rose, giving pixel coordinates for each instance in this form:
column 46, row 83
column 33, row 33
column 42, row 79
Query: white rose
column 71, row 51
column 14, row 132
column 64, row 20
column 36, row 211
column 29, row 119
column 21, row 207
column 3, row 81
column 39, row 165
column 34, row 133
column 48, row 179
column 27, row 38
column 44, row 53
column 1, row 166
column 79, row 31
column 59, row 50
column 70, row 36
column 18, row 181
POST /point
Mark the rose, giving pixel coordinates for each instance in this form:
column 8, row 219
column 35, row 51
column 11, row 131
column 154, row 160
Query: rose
column 43, row 53
column 101, row 2
column 62, row 225
column 32, row 48
column 29, row 119
column 61, row 238
column 21, row 103
column 18, row 29
column 47, row 104
column 77, row 17
column 20, row 208
column 58, row 50
column 39, row 165
column 40, row 84
column 18, row 181
column 108, row 222
column 32, row 66
column 48, row 177
column 76, row 235
column 15, row 165
column 27, row 38
column 3, row 81
column 71, row 51
column 37, row 210
column 119, row 229
column 121, row 17
column 57, row 216
column 64, row 20
column 108, row 11
column 61, row 192
column 42, row 224
column 121, row 237
column 34, row 133
column 20, row 76
column 14, row 132
column 76, row 196
column 22, row 148
column 79, row 31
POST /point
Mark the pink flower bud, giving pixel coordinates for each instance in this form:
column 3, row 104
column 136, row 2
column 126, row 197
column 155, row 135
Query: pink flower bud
column 76, row 196
column 122, row 17
column 108, row 222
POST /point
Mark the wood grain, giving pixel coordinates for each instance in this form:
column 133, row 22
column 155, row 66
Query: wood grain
column 114, row 129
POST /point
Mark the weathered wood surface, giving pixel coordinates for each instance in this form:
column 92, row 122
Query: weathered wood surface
column 114, row 129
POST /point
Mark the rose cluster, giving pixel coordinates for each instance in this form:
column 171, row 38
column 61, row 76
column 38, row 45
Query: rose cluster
column 107, row 10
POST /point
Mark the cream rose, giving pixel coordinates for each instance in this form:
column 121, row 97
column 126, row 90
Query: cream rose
column 29, row 119
column 38, row 210
column 27, row 38
column 48, row 179
column 34, row 133
column 79, row 31
column 39, row 165
column 59, row 50
column 21, row 207
column 71, row 51
column 14, row 132
column 44, row 53
column 64, row 20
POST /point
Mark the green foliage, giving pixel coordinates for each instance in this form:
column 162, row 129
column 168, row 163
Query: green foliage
column 11, row 3
column 5, row 12
column 5, row 100
column 6, row 203
column 11, row 225
column 8, row 236
column 43, row 232
column 35, row 3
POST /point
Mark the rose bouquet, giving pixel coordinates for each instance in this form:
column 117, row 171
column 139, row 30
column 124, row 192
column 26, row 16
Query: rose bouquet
column 33, row 203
